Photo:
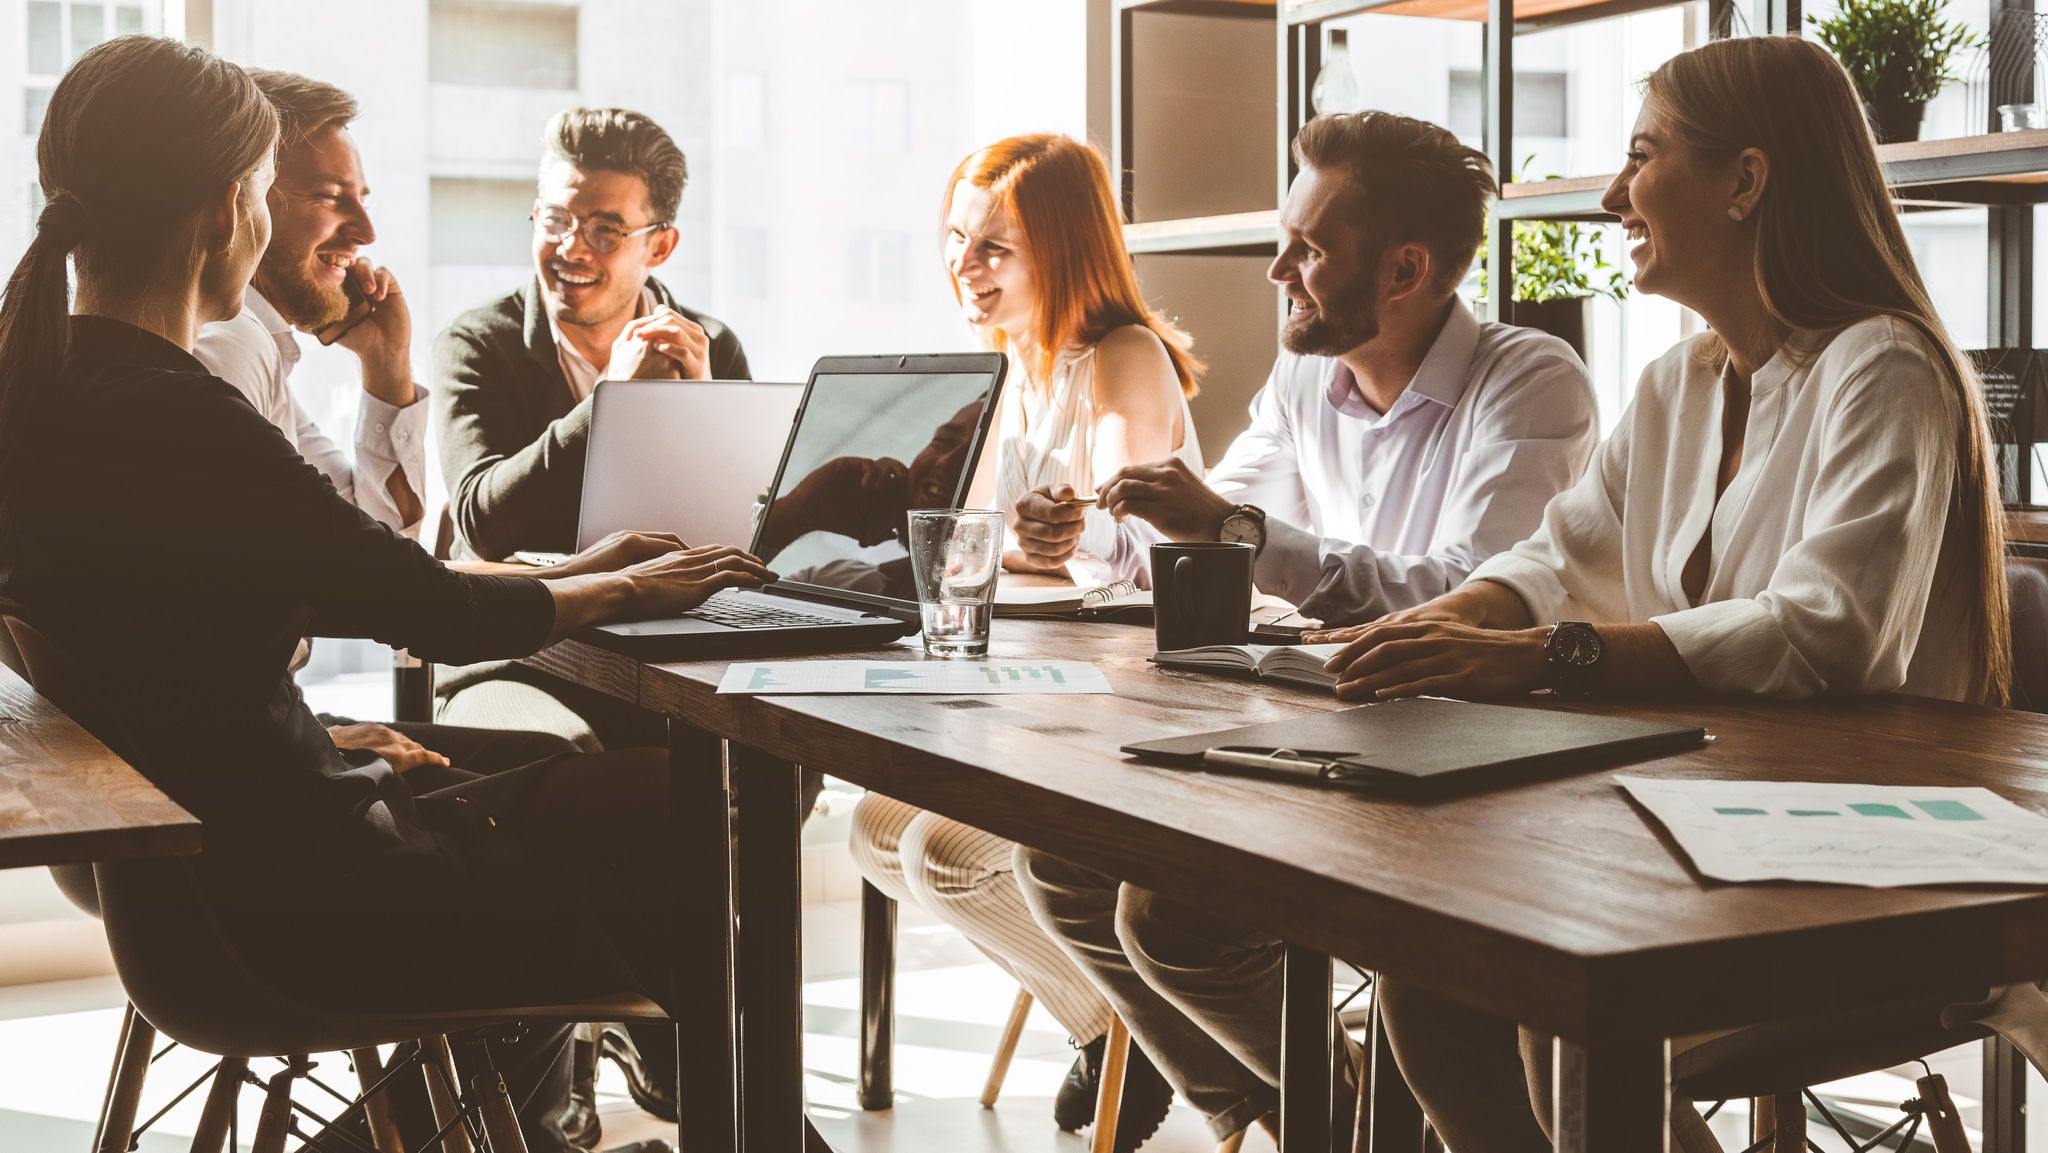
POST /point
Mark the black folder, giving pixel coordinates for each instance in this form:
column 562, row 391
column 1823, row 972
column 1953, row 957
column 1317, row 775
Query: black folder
column 1421, row 742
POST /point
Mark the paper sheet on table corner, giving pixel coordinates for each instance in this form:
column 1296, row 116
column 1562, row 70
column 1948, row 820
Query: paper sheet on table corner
column 1875, row 836
column 901, row 678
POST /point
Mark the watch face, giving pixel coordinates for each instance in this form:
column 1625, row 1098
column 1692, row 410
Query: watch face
column 1239, row 529
column 1577, row 645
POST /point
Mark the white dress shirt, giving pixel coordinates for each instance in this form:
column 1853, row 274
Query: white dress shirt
column 256, row 352
column 1368, row 512
column 1046, row 436
column 1831, row 570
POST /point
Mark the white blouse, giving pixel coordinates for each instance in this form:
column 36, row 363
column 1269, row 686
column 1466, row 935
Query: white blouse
column 1831, row 565
column 1046, row 436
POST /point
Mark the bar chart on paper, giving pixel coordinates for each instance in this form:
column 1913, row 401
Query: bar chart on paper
column 1872, row 835
column 949, row 678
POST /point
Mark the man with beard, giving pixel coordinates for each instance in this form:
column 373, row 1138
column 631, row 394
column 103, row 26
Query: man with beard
column 1398, row 443
column 318, row 222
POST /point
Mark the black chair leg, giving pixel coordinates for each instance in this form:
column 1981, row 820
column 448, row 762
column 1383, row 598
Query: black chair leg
column 877, row 999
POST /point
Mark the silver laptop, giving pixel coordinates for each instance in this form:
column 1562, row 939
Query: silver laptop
column 690, row 457
column 875, row 437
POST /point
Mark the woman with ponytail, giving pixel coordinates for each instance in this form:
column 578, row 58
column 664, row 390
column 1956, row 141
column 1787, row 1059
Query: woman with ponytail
column 1800, row 502
column 174, row 546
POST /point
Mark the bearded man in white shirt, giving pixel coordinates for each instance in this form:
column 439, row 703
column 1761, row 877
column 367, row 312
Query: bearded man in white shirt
column 1398, row 443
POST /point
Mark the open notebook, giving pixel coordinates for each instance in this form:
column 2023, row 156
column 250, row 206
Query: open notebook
column 1295, row 664
column 1109, row 601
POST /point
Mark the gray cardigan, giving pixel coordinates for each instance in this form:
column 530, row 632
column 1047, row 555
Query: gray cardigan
column 511, row 434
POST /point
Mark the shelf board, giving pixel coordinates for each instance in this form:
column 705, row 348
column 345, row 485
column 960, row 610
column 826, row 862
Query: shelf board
column 1232, row 9
column 2001, row 168
column 1238, row 234
column 1529, row 14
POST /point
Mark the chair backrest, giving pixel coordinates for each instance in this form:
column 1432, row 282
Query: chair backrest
column 2026, row 579
column 173, row 955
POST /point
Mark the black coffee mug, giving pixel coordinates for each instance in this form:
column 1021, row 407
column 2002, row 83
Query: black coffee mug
column 1201, row 593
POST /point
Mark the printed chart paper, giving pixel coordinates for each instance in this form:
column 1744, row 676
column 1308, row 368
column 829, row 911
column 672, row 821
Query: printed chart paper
column 949, row 678
column 1878, row 836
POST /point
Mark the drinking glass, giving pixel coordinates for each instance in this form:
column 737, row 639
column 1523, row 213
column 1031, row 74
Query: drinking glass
column 954, row 556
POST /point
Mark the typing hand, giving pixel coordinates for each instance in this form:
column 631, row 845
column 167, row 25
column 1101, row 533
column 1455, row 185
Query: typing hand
column 615, row 552
column 1046, row 530
column 1169, row 495
column 1390, row 659
column 397, row 750
column 679, row 581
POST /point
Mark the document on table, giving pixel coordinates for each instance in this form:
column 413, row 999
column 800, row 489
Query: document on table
column 1878, row 836
column 949, row 678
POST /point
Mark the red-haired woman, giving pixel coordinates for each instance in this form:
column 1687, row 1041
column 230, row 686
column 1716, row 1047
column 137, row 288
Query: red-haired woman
column 1034, row 245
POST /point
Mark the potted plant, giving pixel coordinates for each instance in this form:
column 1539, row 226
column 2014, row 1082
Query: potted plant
column 1899, row 53
column 1559, row 266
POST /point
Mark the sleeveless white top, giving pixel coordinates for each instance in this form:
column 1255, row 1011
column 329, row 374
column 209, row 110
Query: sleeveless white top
column 1046, row 436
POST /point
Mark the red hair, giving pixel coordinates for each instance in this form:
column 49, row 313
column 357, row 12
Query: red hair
column 1059, row 192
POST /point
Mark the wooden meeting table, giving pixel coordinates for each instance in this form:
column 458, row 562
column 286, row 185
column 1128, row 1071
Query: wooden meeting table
column 1554, row 902
column 66, row 799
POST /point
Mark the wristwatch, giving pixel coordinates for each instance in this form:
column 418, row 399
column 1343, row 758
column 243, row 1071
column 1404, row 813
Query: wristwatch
column 1572, row 648
column 1246, row 524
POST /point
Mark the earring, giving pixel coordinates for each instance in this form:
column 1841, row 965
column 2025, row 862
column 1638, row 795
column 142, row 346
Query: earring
column 1735, row 214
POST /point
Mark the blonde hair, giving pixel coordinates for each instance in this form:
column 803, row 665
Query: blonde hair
column 1830, row 252
column 1058, row 191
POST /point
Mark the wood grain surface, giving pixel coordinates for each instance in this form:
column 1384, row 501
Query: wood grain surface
column 1555, row 901
column 65, row 798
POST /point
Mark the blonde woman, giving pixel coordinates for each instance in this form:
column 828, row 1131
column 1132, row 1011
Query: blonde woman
column 1800, row 502
column 1034, row 247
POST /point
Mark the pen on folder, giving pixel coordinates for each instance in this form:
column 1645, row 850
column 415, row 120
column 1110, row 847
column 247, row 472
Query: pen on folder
column 1286, row 762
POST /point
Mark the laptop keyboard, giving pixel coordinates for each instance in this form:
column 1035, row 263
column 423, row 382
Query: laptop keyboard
column 745, row 614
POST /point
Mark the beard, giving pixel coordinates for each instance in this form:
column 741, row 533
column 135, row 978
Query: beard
column 299, row 299
column 1339, row 324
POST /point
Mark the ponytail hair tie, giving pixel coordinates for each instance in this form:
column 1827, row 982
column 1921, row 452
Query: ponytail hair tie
column 62, row 222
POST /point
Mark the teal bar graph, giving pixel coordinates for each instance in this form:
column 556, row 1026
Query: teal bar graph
column 1948, row 810
column 1871, row 809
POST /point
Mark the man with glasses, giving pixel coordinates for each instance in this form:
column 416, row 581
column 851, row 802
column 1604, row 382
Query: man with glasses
column 511, row 379
column 511, row 383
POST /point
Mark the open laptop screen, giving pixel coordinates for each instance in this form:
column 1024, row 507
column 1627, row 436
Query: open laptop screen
column 867, row 448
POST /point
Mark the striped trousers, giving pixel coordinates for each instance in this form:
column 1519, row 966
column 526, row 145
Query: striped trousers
column 963, row 876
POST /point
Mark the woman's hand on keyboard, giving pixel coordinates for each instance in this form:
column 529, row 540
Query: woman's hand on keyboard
column 615, row 552
column 665, row 586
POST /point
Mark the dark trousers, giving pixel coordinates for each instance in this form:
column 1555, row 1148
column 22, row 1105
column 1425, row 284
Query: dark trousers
column 534, row 1058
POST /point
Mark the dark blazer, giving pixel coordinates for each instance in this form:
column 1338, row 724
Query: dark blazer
column 511, row 433
column 175, row 547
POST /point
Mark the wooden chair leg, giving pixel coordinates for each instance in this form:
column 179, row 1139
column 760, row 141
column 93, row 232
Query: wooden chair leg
column 437, row 1065
column 1781, row 1118
column 999, row 1069
column 1110, row 1095
column 501, row 1120
column 222, row 1097
column 273, row 1125
column 124, row 1085
column 1232, row 1143
column 377, row 1114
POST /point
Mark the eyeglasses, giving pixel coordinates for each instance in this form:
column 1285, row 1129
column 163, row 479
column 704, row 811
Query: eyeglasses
column 556, row 225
